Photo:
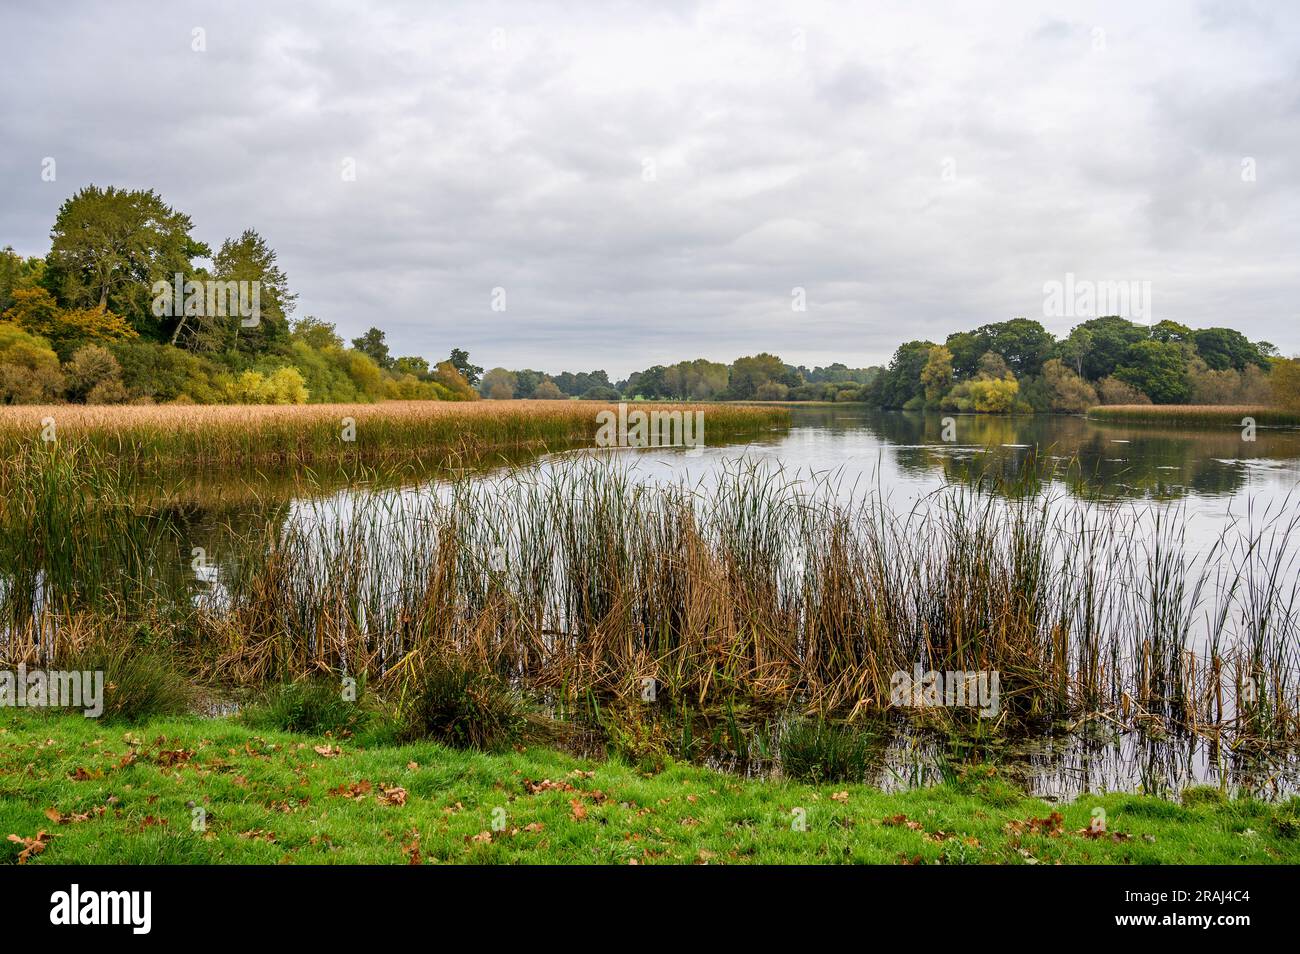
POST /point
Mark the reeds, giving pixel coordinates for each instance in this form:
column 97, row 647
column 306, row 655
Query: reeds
column 577, row 580
column 190, row 435
column 1197, row 415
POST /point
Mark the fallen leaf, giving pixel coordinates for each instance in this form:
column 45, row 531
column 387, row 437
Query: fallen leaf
column 31, row 846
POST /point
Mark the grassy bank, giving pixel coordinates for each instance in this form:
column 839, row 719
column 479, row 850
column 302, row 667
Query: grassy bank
column 1200, row 415
column 306, row 434
column 93, row 793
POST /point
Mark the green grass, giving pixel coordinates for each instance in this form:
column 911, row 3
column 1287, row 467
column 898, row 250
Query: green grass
column 1202, row 415
column 268, row 798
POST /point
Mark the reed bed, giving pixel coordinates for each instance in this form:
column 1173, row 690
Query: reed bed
column 1200, row 415
column 576, row 579
column 245, row 435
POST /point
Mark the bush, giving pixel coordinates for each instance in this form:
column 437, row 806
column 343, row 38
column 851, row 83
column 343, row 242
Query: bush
column 819, row 751
column 449, row 701
column 94, row 369
column 29, row 368
column 1115, row 391
column 313, row 706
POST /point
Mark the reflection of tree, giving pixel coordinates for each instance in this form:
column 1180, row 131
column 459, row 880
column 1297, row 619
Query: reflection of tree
column 1088, row 458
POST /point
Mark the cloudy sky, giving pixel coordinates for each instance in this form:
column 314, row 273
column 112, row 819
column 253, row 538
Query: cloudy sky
column 651, row 182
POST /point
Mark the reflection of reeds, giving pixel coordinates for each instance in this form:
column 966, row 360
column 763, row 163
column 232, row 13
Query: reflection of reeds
column 265, row 434
column 580, row 580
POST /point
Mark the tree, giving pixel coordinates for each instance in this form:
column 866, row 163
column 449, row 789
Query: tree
column 415, row 366
column 449, row 376
column 749, row 374
column 1284, row 382
column 1158, row 369
column 316, row 333
column 1075, row 348
column 109, row 246
column 1067, row 393
column 460, row 361
column 372, row 345
column 1023, row 344
column 498, row 384
column 36, row 311
column 936, row 376
column 17, row 273
column 547, row 391
column 1223, row 348
column 1109, row 339
column 253, row 319
column 900, row 383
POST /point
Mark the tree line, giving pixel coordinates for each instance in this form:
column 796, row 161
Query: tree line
column 94, row 320
column 1001, row 367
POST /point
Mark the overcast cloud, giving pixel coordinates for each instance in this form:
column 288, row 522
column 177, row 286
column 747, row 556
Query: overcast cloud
column 918, row 168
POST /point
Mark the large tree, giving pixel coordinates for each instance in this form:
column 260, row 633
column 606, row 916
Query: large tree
column 1023, row 344
column 109, row 246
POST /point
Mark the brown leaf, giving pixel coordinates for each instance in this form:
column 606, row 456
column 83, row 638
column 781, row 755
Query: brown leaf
column 357, row 790
column 840, row 796
column 31, row 846
column 577, row 809
column 546, row 785
column 396, row 795
column 902, row 821
column 326, row 750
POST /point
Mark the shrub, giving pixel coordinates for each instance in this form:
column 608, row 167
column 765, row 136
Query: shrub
column 448, row 700
column 820, row 751
column 1114, row 391
column 90, row 367
column 29, row 368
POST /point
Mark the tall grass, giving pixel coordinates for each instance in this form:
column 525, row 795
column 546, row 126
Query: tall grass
column 303, row 434
column 578, row 580
column 1200, row 415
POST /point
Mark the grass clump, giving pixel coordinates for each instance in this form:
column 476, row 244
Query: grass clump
column 1203, row 795
column 814, row 750
column 316, row 706
column 451, row 701
column 139, row 684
